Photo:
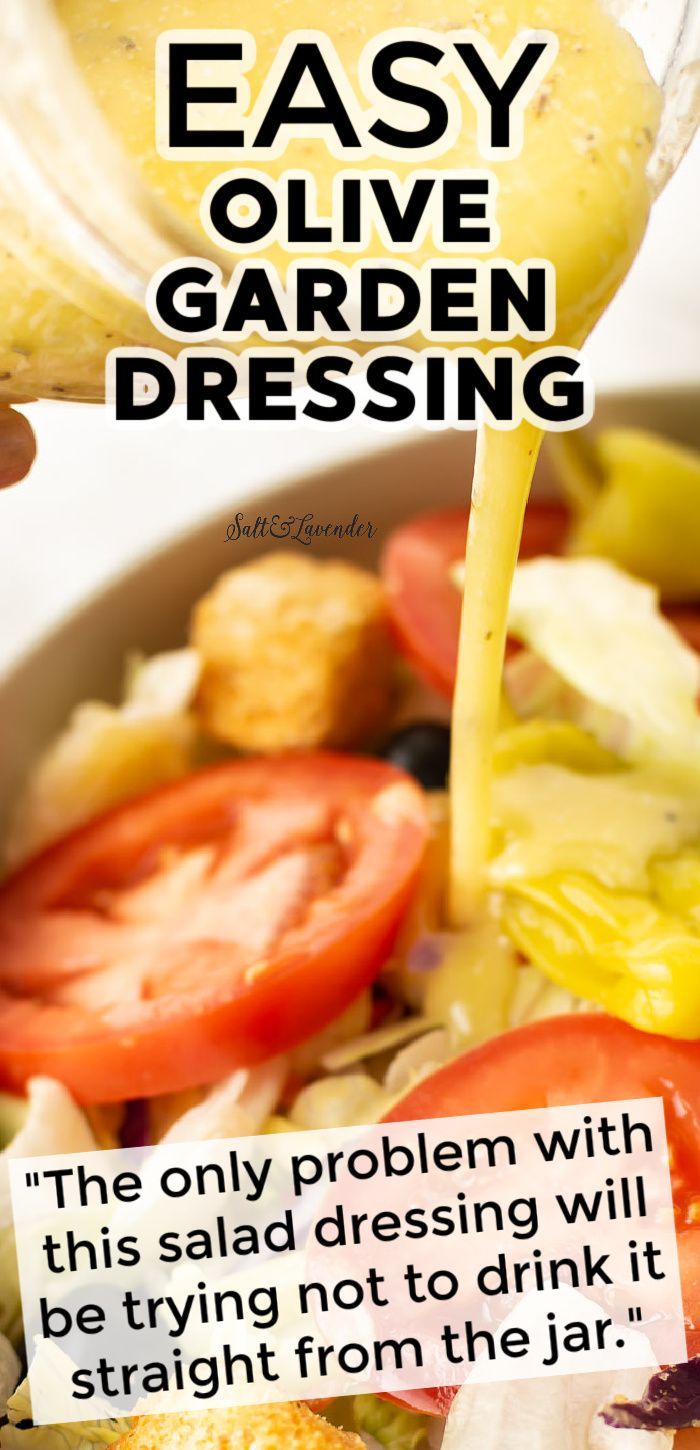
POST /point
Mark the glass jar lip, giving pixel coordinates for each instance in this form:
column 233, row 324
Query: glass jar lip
column 97, row 233
column 668, row 33
column 680, row 82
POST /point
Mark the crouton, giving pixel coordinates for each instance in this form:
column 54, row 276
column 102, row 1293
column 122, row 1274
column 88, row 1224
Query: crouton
column 256, row 1427
column 295, row 653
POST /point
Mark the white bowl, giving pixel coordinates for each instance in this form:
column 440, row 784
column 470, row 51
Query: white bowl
column 147, row 607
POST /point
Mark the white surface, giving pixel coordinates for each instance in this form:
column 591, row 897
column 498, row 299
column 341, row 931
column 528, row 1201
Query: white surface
column 651, row 333
column 99, row 496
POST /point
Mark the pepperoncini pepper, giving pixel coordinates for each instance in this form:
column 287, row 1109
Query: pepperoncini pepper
column 675, row 881
column 556, row 742
column 619, row 949
column 636, row 499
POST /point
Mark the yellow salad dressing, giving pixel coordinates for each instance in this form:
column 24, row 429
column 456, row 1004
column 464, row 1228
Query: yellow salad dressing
column 503, row 471
column 578, row 195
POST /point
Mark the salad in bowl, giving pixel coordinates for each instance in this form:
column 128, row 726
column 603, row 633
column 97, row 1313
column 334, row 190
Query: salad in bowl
column 225, row 907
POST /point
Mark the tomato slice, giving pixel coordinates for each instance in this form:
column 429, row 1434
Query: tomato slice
column 580, row 1059
column 425, row 604
column 204, row 926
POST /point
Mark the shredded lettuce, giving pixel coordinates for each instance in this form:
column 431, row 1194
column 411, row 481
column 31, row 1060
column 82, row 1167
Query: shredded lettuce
column 372, row 1044
column 49, row 1122
column 165, row 683
column 335, row 1102
column 13, row 1111
column 9, row 1373
column 21, row 1434
column 535, row 998
column 108, row 753
column 238, row 1107
column 418, row 1060
column 560, row 1413
column 346, row 1027
column 10, row 1300
column 603, row 634
column 391, row 1426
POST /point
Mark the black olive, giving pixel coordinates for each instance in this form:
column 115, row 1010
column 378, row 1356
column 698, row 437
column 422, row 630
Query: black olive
column 423, row 749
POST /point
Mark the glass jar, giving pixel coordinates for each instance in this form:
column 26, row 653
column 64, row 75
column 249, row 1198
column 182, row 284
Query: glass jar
column 83, row 233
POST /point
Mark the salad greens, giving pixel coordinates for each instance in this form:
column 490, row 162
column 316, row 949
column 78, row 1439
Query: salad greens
column 639, row 671
column 391, row 1426
column 21, row 1434
column 614, row 482
column 48, row 1121
column 556, row 1413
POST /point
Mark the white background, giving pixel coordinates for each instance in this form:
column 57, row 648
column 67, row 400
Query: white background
column 98, row 497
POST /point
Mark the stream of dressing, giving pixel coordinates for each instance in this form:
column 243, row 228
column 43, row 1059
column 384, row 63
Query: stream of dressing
column 503, row 472
column 505, row 463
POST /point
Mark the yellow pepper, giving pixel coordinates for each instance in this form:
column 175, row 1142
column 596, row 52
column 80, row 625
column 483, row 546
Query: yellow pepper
column 558, row 742
column 619, row 949
column 637, row 496
column 675, row 881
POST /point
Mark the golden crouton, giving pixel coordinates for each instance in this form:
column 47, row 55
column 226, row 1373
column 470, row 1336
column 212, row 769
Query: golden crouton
column 295, row 653
column 258, row 1427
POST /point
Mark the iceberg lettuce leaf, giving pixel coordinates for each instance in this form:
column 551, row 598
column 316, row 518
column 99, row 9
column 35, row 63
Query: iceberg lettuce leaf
column 9, row 1373
column 557, row 1413
column 603, row 634
column 391, row 1426
column 48, row 1121
column 21, row 1434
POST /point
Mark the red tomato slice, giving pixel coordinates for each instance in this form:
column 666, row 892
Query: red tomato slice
column 206, row 925
column 580, row 1059
column 424, row 603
